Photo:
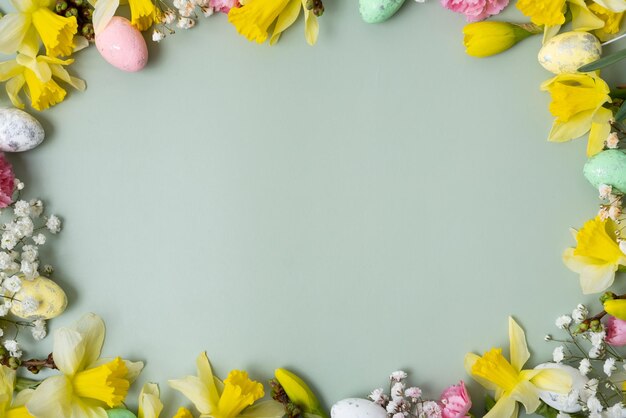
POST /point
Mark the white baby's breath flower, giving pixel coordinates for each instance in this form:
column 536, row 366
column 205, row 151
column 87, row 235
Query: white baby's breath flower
column 616, row 411
column 21, row 208
column 39, row 329
column 4, row 310
column 564, row 321
column 604, row 190
column 377, row 395
column 12, row 284
column 19, row 185
column 558, row 354
column 13, row 347
column 186, row 23
column 5, row 260
column 594, row 405
column 580, row 313
column 595, row 352
column 158, row 35
column 30, row 253
column 584, row 367
column 30, row 270
column 597, row 338
column 8, row 241
column 612, row 141
column 53, row 224
column 614, row 213
column 563, row 415
column 609, row 366
column 431, row 409
column 29, row 304
column 36, row 208
column 398, row 415
column 397, row 391
column 413, row 393
column 169, row 17
column 39, row 239
column 393, row 407
column 24, row 227
column 398, row 376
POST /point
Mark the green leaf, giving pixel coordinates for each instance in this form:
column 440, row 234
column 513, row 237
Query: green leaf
column 621, row 112
column 489, row 403
column 22, row 383
column 546, row 411
column 604, row 61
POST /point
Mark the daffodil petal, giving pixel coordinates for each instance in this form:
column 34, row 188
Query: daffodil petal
column 150, row 406
column 13, row 87
column 264, row 409
column 600, row 130
column 550, row 32
column 470, row 360
column 86, row 408
column 285, row 19
column 612, row 5
column 9, row 69
column 41, row 69
column 582, row 18
column 518, row 347
column 526, row 394
column 133, row 368
column 30, row 43
column 102, row 14
column 596, row 279
column 205, row 373
column 505, row 407
column 13, row 28
column 51, row 399
column 576, row 127
column 68, row 350
column 61, row 73
column 311, row 25
column 22, row 397
column 552, row 380
column 91, row 327
column 195, row 390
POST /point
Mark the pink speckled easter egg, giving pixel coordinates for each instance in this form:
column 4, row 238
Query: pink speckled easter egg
column 122, row 45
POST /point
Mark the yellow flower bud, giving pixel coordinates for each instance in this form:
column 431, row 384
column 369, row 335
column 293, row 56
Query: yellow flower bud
column 616, row 308
column 482, row 39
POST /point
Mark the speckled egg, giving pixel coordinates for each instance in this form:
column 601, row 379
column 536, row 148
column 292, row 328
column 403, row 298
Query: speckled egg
column 120, row 413
column 567, row 52
column 49, row 295
column 607, row 167
column 19, row 131
column 357, row 408
column 122, row 45
column 376, row 11
column 562, row 402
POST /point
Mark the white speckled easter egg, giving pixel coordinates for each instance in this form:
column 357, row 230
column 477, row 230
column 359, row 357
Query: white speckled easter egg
column 564, row 403
column 567, row 52
column 357, row 408
column 122, row 45
column 49, row 295
column 19, row 131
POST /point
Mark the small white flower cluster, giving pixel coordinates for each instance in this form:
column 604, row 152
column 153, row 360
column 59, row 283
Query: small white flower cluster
column 599, row 366
column 184, row 17
column 613, row 208
column 404, row 402
column 612, row 141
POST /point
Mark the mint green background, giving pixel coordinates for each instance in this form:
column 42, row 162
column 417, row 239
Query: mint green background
column 377, row 202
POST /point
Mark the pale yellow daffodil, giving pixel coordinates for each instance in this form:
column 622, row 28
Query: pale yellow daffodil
column 38, row 75
column 143, row 13
column 597, row 255
column 612, row 21
column 88, row 384
column 229, row 399
column 150, row 405
column 577, row 104
column 33, row 21
column 613, row 5
column 510, row 383
column 254, row 18
column 12, row 406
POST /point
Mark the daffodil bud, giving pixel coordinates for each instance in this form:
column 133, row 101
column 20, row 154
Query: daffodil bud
column 299, row 392
column 483, row 39
column 616, row 308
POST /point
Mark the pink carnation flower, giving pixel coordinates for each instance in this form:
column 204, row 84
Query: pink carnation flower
column 455, row 402
column 223, row 6
column 615, row 332
column 7, row 182
column 475, row 10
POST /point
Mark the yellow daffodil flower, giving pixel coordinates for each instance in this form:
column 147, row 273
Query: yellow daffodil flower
column 183, row 413
column 232, row 398
column 253, row 19
column 543, row 12
column 483, row 39
column 37, row 74
column 612, row 5
column 34, row 20
column 577, row 101
column 597, row 255
column 143, row 13
column 510, row 383
column 10, row 406
column 150, row 405
column 88, row 384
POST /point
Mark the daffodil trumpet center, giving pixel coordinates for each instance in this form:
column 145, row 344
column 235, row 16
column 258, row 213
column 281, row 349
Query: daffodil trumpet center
column 494, row 367
column 594, row 241
column 19, row 412
column 106, row 383
column 239, row 393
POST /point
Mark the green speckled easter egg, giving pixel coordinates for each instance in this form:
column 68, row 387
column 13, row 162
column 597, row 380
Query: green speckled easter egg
column 607, row 167
column 376, row 11
column 120, row 413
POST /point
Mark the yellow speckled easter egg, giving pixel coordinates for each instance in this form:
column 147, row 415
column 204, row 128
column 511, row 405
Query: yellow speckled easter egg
column 49, row 296
column 567, row 52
